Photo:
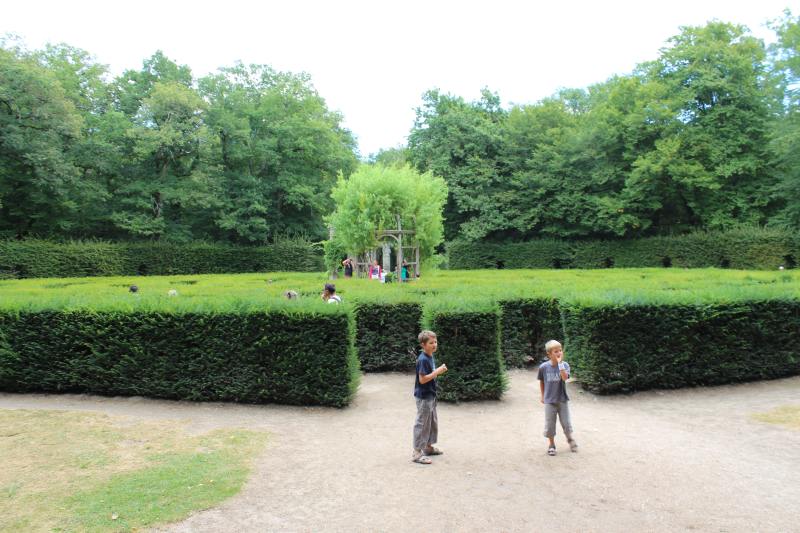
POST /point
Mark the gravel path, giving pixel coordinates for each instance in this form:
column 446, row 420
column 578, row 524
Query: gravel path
column 691, row 459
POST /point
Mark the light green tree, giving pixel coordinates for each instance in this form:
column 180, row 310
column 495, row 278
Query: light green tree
column 372, row 198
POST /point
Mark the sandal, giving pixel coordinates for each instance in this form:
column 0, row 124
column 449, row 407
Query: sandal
column 418, row 457
column 551, row 451
column 432, row 451
column 573, row 446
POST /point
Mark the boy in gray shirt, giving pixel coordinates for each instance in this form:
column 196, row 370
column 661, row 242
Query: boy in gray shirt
column 553, row 376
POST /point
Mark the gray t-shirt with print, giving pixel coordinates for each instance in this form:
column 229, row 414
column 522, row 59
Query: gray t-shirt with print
column 555, row 389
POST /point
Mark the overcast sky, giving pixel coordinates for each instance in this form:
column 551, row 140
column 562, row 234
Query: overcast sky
column 372, row 60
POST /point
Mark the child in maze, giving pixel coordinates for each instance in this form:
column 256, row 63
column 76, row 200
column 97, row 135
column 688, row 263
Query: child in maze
column 553, row 376
column 426, row 425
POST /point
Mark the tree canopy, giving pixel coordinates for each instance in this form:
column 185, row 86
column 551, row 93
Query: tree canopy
column 374, row 196
column 703, row 137
column 243, row 155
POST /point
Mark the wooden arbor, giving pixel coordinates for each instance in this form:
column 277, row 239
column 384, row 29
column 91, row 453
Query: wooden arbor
column 403, row 240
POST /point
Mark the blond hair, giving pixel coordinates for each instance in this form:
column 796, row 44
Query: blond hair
column 549, row 345
column 425, row 336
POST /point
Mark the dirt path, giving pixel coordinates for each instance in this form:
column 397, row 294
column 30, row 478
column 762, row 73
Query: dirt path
column 659, row 461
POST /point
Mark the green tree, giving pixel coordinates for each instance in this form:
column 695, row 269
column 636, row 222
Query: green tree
column 131, row 88
column 98, row 152
column 279, row 148
column 713, row 157
column 398, row 156
column 374, row 196
column 171, row 187
column 785, row 139
column 40, row 187
column 462, row 143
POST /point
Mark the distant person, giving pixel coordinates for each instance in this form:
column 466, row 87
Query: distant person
column 348, row 267
column 290, row 295
column 404, row 271
column 553, row 376
column 329, row 294
column 426, row 425
column 375, row 271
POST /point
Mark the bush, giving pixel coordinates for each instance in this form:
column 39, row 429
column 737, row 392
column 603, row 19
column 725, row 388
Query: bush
column 526, row 326
column 544, row 253
column 623, row 348
column 42, row 259
column 743, row 248
column 469, row 344
column 256, row 357
column 386, row 335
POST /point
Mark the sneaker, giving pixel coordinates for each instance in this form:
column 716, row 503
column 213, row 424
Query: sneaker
column 551, row 451
column 418, row 457
column 573, row 446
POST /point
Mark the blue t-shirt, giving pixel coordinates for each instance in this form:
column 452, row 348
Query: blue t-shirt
column 425, row 365
column 555, row 390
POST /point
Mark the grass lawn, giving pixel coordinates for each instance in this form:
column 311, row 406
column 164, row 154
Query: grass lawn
column 785, row 415
column 67, row 471
column 257, row 291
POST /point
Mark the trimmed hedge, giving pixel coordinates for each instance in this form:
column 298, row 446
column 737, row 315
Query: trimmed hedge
column 469, row 344
column 623, row 348
column 526, row 326
column 744, row 248
column 45, row 259
column 258, row 357
column 386, row 335
column 544, row 253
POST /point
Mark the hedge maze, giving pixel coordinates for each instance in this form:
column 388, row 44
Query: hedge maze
column 304, row 357
column 234, row 338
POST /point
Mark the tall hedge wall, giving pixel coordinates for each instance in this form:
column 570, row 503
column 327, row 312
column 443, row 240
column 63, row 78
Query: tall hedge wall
column 526, row 325
column 257, row 357
column 44, row 259
column 469, row 344
column 745, row 248
column 544, row 253
column 621, row 348
column 386, row 335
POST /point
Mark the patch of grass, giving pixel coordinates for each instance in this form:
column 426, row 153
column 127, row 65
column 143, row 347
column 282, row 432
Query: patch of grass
column 785, row 415
column 65, row 471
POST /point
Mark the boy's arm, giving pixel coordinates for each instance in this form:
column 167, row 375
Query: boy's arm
column 541, row 386
column 424, row 378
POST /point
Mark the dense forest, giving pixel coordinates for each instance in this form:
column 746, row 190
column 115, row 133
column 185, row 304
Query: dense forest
column 705, row 136
column 243, row 155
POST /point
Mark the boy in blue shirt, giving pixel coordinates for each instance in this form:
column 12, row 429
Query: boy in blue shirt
column 426, row 425
column 553, row 376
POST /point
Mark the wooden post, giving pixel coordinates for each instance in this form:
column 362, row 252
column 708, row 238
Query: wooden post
column 399, row 265
column 387, row 256
column 336, row 267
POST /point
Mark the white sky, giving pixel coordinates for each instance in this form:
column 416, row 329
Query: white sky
column 372, row 60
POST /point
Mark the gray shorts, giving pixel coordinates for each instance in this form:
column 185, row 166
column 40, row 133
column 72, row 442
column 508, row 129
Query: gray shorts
column 550, row 412
column 426, row 425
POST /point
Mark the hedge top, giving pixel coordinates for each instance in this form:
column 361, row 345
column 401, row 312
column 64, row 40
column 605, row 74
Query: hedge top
column 475, row 289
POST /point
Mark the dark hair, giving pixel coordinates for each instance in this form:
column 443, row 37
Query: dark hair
column 330, row 287
column 133, row 288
